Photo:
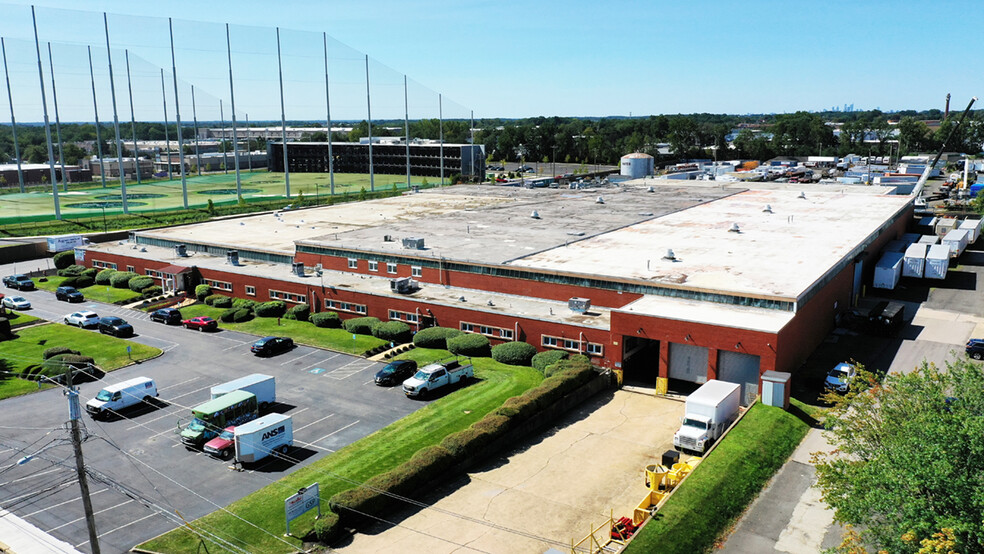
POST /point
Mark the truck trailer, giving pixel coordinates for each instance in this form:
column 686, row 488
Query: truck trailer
column 264, row 436
column 709, row 411
column 263, row 386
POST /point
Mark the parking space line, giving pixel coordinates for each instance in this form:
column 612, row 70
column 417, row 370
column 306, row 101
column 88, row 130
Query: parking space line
column 101, row 535
column 77, row 498
column 9, row 501
column 299, row 357
column 313, row 422
column 39, row 474
column 237, row 345
column 178, row 384
column 94, row 513
column 337, row 431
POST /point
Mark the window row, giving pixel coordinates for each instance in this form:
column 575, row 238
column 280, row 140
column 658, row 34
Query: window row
column 345, row 307
column 391, row 268
column 103, row 265
column 288, row 296
column 219, row 285
column 561, row 343
column 488, row 331
column 409, row 317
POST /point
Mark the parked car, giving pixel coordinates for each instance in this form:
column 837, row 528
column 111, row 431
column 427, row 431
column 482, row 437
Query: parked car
column 19, row 282
column 839, row 378
column 82, row 319
column 69, row 294
column 524, row 168
column 166, row 316
column 975, row 349
column 224, row 445
column 116, row 326
column 396, row 372
column 16, row 303
column 202, row 323
column 268, row 346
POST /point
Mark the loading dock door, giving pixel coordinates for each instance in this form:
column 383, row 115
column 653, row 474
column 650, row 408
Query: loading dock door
column 743, row 369
column 688, row 362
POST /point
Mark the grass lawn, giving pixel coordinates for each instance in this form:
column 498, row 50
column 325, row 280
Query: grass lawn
column 301, row 331
column 96, row 293
column 25, row 350
column 20, row 319
column 379, row 452
column 726, row 482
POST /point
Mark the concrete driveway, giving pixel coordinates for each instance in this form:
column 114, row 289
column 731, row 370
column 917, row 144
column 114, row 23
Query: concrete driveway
column 545, row 492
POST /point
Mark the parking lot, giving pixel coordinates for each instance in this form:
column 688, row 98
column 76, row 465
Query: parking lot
column 330, row 396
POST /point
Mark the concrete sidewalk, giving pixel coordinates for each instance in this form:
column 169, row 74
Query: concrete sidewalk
column 23, row 538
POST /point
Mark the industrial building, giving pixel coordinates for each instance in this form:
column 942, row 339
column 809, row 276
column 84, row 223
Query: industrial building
column 669, row 283
column 266, row 133
column 110, row 167
column 41, row 173
column 388, row 157
column 211, row 161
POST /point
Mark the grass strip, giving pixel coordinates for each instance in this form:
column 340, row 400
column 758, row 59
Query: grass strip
column 95, row 293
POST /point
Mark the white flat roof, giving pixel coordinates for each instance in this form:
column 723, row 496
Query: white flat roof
column 710, row 313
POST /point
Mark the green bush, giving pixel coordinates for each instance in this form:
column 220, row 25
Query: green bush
column 468, row 442
column 274, row 308
column 241, row 315
column 104, row 276
column 300, row 312
column 229, row 315
column 434, row 337
column 360, row 325
column 327, row 529
column 79, row 282
column 579, row 365
column 71, row 271
column 91, row 272
column 60, row 363
column 329, row 320
column 244, row 303
column 469, row 344
column 140, row 282
column 202, row 292
column 519, row 408
column 121, row 279
column 543, row 360
column 494, row 424
column 223, row 302
column 210, row 299
column 64, row 259
column 152, row 291
column 392, row 331
column 351, row 503
column 514, row 353
column 427, row 464
column 56, row 350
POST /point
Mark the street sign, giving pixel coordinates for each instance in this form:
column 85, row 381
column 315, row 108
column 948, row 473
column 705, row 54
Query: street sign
column 305, row 499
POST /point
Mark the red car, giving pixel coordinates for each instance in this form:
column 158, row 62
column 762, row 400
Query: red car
column 202, row 323
column 222, row 446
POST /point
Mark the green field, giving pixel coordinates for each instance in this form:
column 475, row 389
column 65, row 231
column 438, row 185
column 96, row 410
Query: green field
column 99, row 293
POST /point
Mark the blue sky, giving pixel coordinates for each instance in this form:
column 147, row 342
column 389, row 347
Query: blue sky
column 513, row 59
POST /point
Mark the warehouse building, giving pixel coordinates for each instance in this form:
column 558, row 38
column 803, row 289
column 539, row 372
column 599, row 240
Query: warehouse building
column 388, row 157
column 669, row 284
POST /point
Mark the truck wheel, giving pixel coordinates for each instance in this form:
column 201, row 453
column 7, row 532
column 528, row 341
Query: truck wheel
column 284, row 449
column 977, row 355
column 422, row 393
column 225, row 454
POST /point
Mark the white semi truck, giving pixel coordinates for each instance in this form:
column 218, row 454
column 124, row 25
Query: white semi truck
column 709, row 411
column 264, row 436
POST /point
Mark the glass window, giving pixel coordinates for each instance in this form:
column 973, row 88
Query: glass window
column 416, row 271
column 506, row 333
column 353, row 263
column 373, row 266
column 390, row 268
column 251, row 291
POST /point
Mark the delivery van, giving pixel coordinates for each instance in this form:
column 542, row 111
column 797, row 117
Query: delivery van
column 122, row 395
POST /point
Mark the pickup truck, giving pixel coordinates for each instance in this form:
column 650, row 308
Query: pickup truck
column 434, row 376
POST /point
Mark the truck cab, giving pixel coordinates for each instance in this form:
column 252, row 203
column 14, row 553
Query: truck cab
column 224, row 445
column 434, row 376
column 694, row 434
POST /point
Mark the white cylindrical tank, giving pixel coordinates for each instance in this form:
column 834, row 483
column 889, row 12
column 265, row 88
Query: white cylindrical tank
column 637, row 165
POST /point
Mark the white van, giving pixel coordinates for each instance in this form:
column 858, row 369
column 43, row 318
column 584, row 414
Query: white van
column 122, row 395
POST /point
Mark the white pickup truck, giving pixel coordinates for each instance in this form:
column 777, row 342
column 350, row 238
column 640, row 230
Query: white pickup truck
column 434, row 376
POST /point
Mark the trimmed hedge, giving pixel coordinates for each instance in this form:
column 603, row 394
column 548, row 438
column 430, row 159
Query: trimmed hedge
column 392, row 331
column 222, row 302
column 152, row 291
column 241, row 315
column 327, row 529
column 327, row 320
column 56, row 350
column 140, row 282
column 360, row 325
column 578, row 362
column 274, row 308
column 300, row 312
column 91, row 272
column 469, row 344
column 104, row 276
column 228, row 315
column 514, row 353
column 79, row 282
column 64, row 259
column 244, row 303
column 543, row 360
column 468, row 442
column 73, row 270
column 57, row 365
column 121, row 279
column 434, row 337
column 202, row 292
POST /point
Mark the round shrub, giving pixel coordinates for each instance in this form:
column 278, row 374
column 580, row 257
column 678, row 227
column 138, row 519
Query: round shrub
column 514, row 353
column 328, row 320
column 140, row 282
column 59, row 364
column 104, row 276
column 360, row 325
column 245, row 303
column 434, row 337
column 469, row 344
column 327, row 529
column 241, row 315
column 579, row 364
column 79, row 282
column 274, row 308
column 222, row 302
column 468, row 442
column 300, row 312
column 56, row 350
column 152, row 291
column 64, row 259
column 71, row 271
column 495, row 425
column 91, row 272
column 228, row 315
column 210, row 299
column 121, row 279
column 543, row 360
column 202, row 292
column 427, row 464
column 392, row 331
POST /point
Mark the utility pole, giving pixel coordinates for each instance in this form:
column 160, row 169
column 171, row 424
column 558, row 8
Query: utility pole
column 75, row 413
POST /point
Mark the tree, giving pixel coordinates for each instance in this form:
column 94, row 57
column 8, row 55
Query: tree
column 909, row 458
column 912, row 135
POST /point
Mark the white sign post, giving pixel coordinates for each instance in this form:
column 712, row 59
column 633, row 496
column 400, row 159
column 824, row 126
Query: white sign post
column 305, row 499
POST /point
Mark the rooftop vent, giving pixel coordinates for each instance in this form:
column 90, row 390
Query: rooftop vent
column 669, row 255
column 579, row 305
column 768, row 209
column 600, row 200
column 576, row 233
column 297, row 268
column 802, row 195
column 535, row 214
column 232, row 257
column 181, row 250
column 461, row 299
column 387, row 238
column 413, row 243
column 651, row 189
column 734, row 228
column 404, row 285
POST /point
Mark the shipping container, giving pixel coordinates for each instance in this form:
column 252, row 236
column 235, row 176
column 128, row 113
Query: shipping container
column 974, row 227
column 944, row 225
column 915, row 260
column 888, row 270
column 937, row 261
column 929, row 239
column 957, row 240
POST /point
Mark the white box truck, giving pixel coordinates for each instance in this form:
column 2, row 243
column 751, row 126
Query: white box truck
column 61, row 243
column 929, row 239
column 974, row 227
column 264, row 436
column 709, row 411
column 957, row 240
column 888, row 270
column 263, row 386
column 915, row 260
column 122, row 395
column 937, row 261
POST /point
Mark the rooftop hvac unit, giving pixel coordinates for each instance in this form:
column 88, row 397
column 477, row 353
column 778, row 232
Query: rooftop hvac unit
column 387, row 238
column 404, row 285
column 181, row 250
column 413, row 243
column 232, row 257
column 579, row 305
column 297, row 268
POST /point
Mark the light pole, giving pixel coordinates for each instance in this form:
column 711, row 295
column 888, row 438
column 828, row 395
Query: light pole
column 553, row 160
column 104, row 217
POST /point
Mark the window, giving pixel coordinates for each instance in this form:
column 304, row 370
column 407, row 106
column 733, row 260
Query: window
column 595, row 349
column 219, row 285
column 103, row 265
column 350, row 307
column 549, row 341
column 353, row 263
column 373, row 266
column 506, row 333
column 561, row 343
column 129, row 268
column 154, row 273
column 409, row 317
column 390, row 268
column 288, row 296
column 468, row 327
column 250, row 290
column 487, row 330
column 415, row 271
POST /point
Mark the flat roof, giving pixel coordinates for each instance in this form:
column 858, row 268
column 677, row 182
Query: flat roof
column 710, row 313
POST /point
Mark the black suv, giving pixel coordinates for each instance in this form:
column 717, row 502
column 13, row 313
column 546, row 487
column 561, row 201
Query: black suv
column 19, row 282
column 69, row 294
column 396, row 372
column 115, row 326
column 268, row 346
column 166, row 316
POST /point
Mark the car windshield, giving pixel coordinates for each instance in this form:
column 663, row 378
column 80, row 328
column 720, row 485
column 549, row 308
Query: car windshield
column 205, row 319
column 19, row 299
column 227, row 435
column 113, row 321
column 104, row 396
column 389, row 370
column 688, row 422
column 838, row 374
column 90, row 316
column 196, row 425
column 421, row 376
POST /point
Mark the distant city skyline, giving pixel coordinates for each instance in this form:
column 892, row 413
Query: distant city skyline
column 507, row 59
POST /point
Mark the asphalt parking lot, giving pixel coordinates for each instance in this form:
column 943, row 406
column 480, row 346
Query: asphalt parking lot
column 330, row 396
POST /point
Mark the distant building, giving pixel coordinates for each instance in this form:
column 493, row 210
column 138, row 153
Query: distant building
column 388, row 157
column 41, row 173
column 637, row 166
column 110, row 167
column 266, row 133
column 212, row 161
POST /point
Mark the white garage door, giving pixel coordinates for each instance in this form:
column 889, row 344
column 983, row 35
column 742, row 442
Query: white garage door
column 688, row 362
column 736, row 367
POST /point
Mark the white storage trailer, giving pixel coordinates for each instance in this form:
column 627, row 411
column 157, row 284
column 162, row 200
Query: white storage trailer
column 263, row 386
column 61, row 243
column 974, row 227
column 888, row 270
column 957, row 240
column 264, row 436
column 929, row 239
column 708, row 412
column 945, row 224
column 915, row 260
column 937, row 261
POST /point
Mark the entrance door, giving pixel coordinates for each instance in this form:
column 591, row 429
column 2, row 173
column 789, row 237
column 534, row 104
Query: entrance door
column 640, row 361
column 688, row 362
column 856, row 291
column 743, row 369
